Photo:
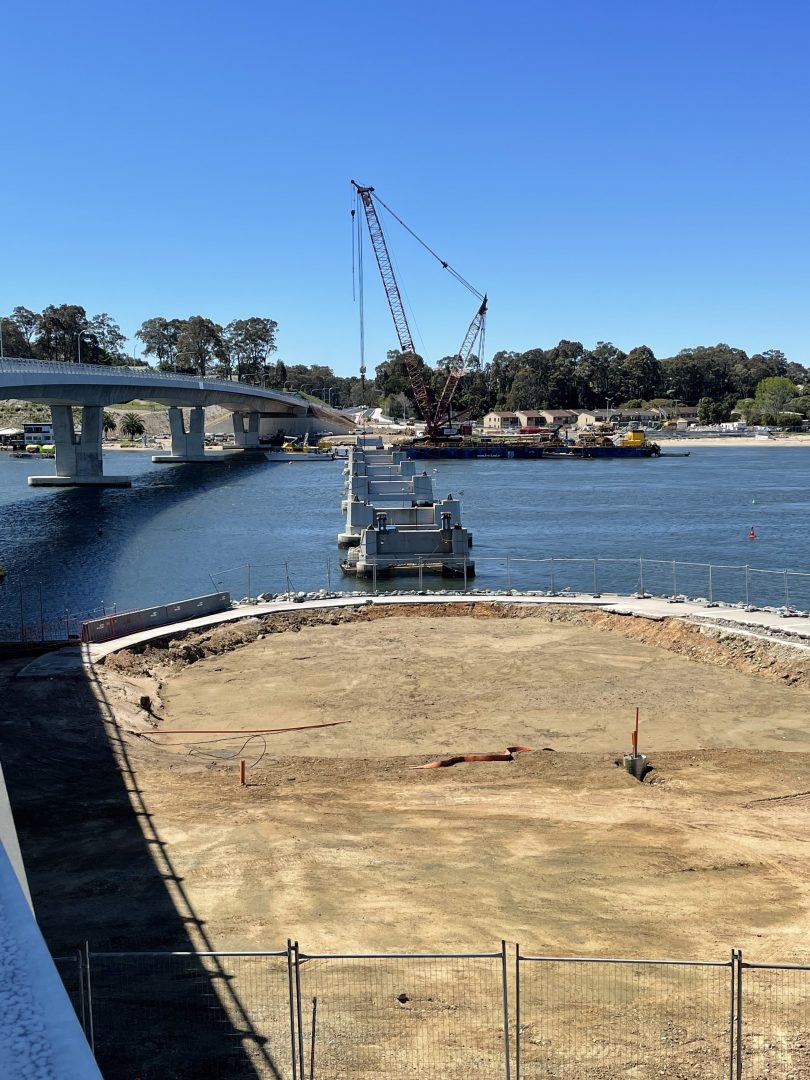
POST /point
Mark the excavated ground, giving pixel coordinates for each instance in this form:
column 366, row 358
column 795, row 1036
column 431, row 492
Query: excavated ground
column 338, row 839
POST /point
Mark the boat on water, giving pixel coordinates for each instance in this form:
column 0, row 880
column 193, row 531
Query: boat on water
column 292, row 450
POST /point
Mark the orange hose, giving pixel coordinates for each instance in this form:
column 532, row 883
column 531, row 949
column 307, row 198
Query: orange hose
column 458, row 759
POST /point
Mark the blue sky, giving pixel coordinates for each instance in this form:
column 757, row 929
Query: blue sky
column 624, row 171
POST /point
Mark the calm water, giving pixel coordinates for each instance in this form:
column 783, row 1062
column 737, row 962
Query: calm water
column 181, row 530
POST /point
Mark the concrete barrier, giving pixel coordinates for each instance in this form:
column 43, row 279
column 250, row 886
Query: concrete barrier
column 132, row 622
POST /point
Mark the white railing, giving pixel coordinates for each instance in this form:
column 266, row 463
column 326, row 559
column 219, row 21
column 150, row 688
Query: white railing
column 104, row 372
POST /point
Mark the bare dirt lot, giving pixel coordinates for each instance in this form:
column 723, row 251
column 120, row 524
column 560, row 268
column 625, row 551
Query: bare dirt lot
column 339, row 840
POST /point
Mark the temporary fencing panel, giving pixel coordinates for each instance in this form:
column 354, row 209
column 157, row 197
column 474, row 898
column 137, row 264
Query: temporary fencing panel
column 192, row 1015
column 774, row 1022
column 287, row 1015
column 588, row 1019
column 375, row 1017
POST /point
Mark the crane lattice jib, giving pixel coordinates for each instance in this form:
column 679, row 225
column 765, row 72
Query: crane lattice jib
column 412, row 363
column 457, row 364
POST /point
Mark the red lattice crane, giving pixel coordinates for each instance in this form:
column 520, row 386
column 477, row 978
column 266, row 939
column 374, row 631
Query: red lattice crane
column 434, row 419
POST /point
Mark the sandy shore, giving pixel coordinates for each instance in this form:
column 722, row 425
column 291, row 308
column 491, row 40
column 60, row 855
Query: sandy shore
column 688, row 441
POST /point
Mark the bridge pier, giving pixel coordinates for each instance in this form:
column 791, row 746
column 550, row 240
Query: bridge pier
column 246, row 438
column 78, row 456
column 187, row 445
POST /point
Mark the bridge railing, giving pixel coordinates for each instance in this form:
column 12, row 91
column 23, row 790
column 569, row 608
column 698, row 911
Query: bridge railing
column 22, row 365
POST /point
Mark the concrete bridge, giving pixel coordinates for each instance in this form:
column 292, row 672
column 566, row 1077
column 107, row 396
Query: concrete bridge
column 256, row 412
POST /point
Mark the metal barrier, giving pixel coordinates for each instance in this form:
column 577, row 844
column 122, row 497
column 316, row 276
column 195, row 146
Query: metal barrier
column 131, row 622
column 290, row 1015
column 373, row 1016
column 592, row 1018
column 210, row 1016
column 787, row 591
column 774, row 1021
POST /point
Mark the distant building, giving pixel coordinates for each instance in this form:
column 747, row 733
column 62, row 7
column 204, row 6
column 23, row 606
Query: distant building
column 559, row 417
column 501, row 421
column 12, row 437
column 38, row 433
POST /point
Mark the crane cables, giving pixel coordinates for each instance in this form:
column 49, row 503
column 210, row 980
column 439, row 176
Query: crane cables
column 359, row 293
column 445, row 265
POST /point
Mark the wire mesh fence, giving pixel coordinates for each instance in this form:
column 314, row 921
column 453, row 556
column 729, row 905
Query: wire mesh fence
column 437, row 1017
column 212, row 1016
column 774, row 1022
column 713, row 583
column 29, row 615
column 289, row 1015
column 591, row 1019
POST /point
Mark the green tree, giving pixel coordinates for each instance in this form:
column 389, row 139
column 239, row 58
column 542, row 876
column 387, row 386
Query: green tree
column 109, row 338
column 641, row 373
column 248, row 344
column 772, row 397
column 108, row 423
column 199, row 345
column 58, row 331
column 159, row 337
column 132, row 425
column 27, row 323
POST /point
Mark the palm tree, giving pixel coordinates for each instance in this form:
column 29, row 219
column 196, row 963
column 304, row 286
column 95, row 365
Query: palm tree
column 108, row 423
column 131, row 425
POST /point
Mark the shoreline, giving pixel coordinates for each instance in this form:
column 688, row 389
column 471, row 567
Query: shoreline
column 730, row 440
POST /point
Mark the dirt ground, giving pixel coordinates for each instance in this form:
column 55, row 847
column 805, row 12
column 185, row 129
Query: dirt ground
column 339, row 841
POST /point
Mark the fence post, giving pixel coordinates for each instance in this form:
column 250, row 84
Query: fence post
column 504, row 985
column 80, row 965
column 641, row 577
column 291, row 997
column 747, row 594
column 517, row 1012
column 91, row 1034
column 421, row 572
column 674, row 582
column 739, row 1016
column 595, row 579
column 465, row 571
column 711, row 597
column 508, row 575
column 374, row 577
column 787, row 594
column 552, row 590
column 328, row 575
column 298, row 1008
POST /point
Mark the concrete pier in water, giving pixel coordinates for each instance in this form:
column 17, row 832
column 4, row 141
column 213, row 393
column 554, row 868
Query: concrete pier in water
column 394, row 521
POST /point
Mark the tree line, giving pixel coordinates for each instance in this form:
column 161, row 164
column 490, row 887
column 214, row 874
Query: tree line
column 719, row 379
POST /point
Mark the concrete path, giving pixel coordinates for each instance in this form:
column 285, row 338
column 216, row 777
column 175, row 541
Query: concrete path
column 771, row 624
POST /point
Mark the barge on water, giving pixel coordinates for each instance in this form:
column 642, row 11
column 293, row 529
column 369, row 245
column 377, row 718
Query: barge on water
column 587, row 446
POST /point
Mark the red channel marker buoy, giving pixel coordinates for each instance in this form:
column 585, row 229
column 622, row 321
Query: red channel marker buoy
column 752, row 534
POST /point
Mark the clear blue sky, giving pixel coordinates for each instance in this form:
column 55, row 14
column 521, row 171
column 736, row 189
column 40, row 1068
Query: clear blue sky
column 628, row 171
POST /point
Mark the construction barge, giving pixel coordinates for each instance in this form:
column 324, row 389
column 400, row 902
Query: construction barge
column 588, row 445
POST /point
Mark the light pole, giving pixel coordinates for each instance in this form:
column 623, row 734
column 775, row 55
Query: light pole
column 86, row 330
column 607, row 410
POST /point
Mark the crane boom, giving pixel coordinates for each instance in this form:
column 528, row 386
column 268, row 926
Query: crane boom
column 457, row 364
column 410, row 356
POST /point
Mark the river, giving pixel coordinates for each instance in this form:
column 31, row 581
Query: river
column 184, row 530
